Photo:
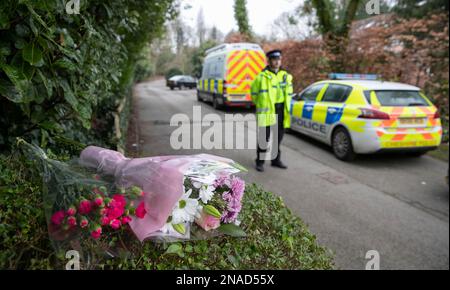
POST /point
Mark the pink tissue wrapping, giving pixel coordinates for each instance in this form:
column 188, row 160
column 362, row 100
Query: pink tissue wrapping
column 161, row 178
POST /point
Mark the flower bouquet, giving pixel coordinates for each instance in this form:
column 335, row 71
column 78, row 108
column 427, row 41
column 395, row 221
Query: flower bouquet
column 105, row 197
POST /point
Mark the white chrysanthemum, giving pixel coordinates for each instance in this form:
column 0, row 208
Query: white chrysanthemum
column 206, row 193
column 185, row 210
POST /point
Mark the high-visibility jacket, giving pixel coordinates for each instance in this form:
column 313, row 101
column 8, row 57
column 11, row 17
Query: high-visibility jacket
column 266, row 90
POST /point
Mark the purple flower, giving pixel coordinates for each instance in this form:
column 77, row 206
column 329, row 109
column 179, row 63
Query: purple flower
column 237, row 187
column 234, row 205
column 229, row 217
column 223, row 181
column 227, row 196
column 232, row 197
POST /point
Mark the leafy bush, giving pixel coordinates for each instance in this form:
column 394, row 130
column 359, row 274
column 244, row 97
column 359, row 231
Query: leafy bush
column 276, row 239
column 63, row 75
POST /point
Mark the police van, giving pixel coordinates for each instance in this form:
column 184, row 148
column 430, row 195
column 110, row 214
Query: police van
column 228, row 71
column 359, row 114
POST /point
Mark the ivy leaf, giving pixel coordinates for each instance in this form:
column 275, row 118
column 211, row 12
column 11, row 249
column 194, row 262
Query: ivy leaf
column 32, row 54
column 47, row 83
column 85, row 111
column 69, row 96
column 22, row 89
column 176, row 249
column 232, row 230
column 65, row 64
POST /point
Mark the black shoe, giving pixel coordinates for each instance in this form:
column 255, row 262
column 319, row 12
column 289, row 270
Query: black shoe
column 260, row 167
column 279, row 164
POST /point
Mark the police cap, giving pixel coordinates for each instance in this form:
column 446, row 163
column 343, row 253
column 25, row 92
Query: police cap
column 274, row 54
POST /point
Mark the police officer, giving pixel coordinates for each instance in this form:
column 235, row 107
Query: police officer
column 271, row 93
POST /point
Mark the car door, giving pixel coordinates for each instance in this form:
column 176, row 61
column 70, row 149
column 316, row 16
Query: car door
column 303, row 109
column 330, row 108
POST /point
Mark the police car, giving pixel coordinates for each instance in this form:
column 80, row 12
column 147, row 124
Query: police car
column 359, row 114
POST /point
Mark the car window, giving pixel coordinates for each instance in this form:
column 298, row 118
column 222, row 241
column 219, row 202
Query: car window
column 175, row 78
column 400, row 98
column 336, row 93
column 312, row 93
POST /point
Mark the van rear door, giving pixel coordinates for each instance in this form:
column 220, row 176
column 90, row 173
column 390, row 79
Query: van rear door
column 242, row 67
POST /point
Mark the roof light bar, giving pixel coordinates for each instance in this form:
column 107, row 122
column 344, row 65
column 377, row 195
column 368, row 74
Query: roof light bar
column 343, row 76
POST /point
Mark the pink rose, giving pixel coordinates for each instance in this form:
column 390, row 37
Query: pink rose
column 85, row 207
column 104, row 221
column 71, row 211
column 58, row 217
column 98, row 201
column 115, row 224
column 208, row 222
column 141, row 211
column 126, row 219
column 96, row 233
column 71, row 221
column 84, row 223
column 120, row 200
column 115, row 212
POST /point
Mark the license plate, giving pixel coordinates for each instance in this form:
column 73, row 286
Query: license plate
column 412, row 121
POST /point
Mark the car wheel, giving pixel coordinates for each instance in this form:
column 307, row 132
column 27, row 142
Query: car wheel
column 171, row 88
column 342, row 145
column 198, row 97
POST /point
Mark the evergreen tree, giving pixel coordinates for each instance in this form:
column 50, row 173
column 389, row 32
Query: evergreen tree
column 241, row 16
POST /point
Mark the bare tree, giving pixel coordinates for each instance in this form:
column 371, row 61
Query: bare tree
column 201, row 29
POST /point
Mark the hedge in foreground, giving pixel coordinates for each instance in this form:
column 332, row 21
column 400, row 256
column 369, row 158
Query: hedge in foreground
column 276, row 239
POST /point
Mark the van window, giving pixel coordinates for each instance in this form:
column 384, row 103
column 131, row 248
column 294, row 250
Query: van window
column 206, row 70
column 336, row 93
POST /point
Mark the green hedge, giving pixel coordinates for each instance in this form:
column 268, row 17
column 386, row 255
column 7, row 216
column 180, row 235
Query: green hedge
column 276, row 239
column 63, row 75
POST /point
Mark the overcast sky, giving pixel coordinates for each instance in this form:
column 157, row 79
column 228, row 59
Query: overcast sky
column 220, row 13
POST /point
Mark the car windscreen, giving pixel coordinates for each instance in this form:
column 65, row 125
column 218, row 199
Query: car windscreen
column 400, row 98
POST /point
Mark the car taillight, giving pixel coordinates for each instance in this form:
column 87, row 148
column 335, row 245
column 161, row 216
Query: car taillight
column 373, row 114
column 437, row 115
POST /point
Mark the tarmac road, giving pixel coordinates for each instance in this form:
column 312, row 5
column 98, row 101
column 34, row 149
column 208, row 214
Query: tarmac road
column 394, row 204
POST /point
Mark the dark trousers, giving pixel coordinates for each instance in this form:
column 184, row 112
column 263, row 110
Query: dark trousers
column 279, row 109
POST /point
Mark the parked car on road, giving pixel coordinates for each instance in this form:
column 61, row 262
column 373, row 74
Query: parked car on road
column 358, row 114
column 181, row 82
